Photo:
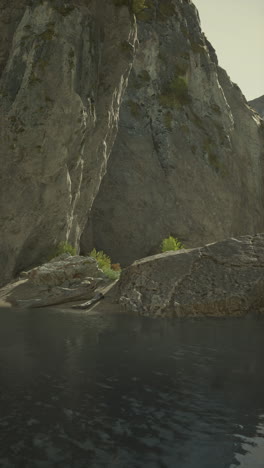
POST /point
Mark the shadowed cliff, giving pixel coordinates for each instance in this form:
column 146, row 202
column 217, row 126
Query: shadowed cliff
column 63, row 71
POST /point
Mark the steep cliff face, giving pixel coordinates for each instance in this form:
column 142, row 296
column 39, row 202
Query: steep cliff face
column 188, row 158
column 63, row 71
column 258, row 105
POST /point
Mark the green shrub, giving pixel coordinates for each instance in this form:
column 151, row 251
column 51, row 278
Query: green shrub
column 104, row 263
column 102, row 259
column 64, row 247
column 171, row 243
column 111, row 274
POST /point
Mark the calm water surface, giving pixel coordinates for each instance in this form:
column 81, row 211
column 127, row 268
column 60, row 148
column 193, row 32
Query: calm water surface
column 92, row 391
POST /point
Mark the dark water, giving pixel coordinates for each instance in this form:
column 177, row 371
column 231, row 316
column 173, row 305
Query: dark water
column 88, row 391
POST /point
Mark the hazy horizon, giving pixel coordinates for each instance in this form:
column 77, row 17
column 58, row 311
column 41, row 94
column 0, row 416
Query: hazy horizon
column 236, row 31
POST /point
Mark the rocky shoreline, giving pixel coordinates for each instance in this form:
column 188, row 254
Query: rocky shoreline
column 220, row 279
column 118, row 129
column 64, row 280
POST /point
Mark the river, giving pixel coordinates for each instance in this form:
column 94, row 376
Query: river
column 82, row 390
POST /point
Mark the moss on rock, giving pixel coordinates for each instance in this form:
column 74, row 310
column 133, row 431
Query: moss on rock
column 175, row 94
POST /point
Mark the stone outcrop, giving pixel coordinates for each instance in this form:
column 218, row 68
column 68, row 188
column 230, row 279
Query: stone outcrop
column 63, row 71
column 258, row 105
column 64, row 279
column 66, row 268
column 188, row 158
column 220, row 279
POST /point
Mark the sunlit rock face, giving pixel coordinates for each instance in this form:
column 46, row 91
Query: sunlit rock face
column 188, row 158
column 63, row 71
column 258, row 105
column 224, row 278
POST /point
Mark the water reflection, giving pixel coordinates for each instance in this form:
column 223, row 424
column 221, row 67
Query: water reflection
column 120, row 391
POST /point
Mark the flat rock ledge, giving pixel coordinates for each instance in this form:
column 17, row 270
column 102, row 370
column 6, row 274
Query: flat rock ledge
column 64, row 279
column 220, row 279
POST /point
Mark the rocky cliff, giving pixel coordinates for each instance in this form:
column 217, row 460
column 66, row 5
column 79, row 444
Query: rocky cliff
column 63, row 72
column 188, row 158
column 258, row 105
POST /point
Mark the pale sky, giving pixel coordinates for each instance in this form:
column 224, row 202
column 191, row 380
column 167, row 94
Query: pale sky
column 235, row 28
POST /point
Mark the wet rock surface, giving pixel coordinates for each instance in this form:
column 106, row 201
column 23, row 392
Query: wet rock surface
column 220, row 279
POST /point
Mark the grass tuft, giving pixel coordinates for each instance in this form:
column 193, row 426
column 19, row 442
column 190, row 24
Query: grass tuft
column 171, row 243
column 64, row 247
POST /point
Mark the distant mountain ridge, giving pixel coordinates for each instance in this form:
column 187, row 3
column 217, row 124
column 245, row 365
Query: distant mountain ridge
column 258, row 105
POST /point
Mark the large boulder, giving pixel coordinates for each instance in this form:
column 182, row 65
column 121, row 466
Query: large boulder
column 63, row 71
column 65, row 268
column 64, row 279
column 220, row 279
column 188, row 158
